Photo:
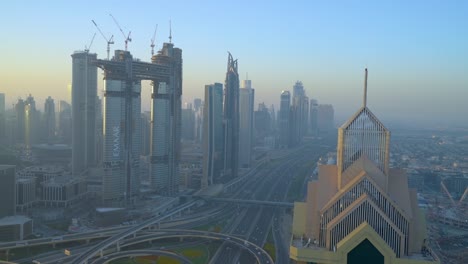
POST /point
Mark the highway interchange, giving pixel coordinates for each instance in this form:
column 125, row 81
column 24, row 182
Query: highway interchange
column 249, row 224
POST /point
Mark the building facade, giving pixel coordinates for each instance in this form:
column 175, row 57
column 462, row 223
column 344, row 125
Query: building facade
column 49, row 120
column 7, row 190
column 360, row 210
column 121, row 154
column 284, row 119
column 84, row 92
column 231, row 119
column 213, row 142
column 246, row 123
column 166, row 117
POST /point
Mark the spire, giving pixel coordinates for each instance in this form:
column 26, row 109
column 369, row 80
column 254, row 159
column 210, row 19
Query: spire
column 365, row 90
column 170, row 32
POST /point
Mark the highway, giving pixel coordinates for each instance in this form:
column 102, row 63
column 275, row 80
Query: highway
column 250, row 224
column 142, row 252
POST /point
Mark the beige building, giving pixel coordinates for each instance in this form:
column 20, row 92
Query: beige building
column 360, row 210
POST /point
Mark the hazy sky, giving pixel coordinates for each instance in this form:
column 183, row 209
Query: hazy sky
column 416, row 51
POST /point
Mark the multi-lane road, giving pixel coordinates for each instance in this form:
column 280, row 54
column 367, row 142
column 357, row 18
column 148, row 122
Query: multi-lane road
column 250, row 224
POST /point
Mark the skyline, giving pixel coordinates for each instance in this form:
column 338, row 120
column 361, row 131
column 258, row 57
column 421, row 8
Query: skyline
column 409, row 48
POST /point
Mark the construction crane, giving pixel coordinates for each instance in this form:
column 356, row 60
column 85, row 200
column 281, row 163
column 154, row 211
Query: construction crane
column 127, row 38
column 91, row 43
column 109, row 41
column 152, row 41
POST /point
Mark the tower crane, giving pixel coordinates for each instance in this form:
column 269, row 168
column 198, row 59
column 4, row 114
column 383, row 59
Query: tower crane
column 109, row 41
column 127, row 38
column 91, row 43
column 152, row 41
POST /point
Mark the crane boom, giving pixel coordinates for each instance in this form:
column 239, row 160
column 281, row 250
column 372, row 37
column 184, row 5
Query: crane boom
column 153, row 39
column 109, row 41
column 127, row 38
column 91, row 43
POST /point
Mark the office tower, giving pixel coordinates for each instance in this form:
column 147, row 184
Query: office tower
column 263, row 123
column 273, row 124
column 300, row 114
column 198, row 108
column 84, row 92
column 99, row 147
column 20, row 121
column 121, row 154
column 213, row 142
column 231, row 119
column 2, row 118
column 64, row 122
column 325, row 117
column 49, row 120
column 32, row 122
column 188, row 123
column 313, row 117
column 145, row 133
column 7, row 190
column 166, row 118
column 284, row 118
column 246, row 123
column 360, row 210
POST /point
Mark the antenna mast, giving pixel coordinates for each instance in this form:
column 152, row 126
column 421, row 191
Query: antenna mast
column 365, row 90
column 170, row 32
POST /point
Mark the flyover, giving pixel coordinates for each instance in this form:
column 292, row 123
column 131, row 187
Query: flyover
column 141, row 253
column 94, row 250
column 250, row 202
column 259, row 253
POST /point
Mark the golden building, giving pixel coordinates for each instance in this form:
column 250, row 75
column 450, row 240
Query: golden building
column 360, row 210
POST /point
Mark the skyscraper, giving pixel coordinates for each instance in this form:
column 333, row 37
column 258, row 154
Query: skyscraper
column 231, row 119
column 2, row 118
column 65, row 122
column 198, row 108
column 166, row 119
column 325, row 117
column 121, row 154
column 213, row 142
column 20, row 121
column 360, row 210
column 284, row 118
column 32, row 121
column 246, row 123
column 84, row 92
column 313, row 117
column 49, row 120
column 188, row 123
column 300, row 114
column 263, row 123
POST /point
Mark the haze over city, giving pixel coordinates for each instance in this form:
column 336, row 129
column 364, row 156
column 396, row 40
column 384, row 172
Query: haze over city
column 415, row 51
column 234, row 132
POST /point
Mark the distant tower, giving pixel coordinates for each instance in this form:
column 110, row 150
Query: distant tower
column 313, row 117
column 84, row 92
column 20, row 121
column 212, row 143
column 65, row 122
column 360, row 210
column 231, row 119
column 2, row 119
column 284, row 118
column 49, row 120
column 166, row 108
column 32, row 121
column 300, row 114
column 246, row 123
column 121, row 154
